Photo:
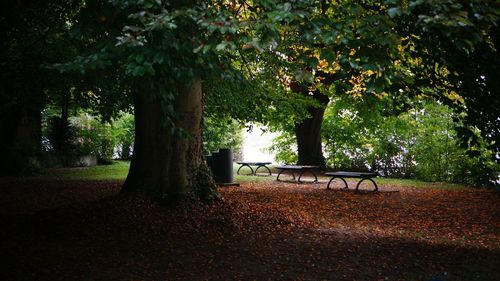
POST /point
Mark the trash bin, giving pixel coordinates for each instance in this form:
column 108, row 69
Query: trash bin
column 221, row 165
column 225, row 171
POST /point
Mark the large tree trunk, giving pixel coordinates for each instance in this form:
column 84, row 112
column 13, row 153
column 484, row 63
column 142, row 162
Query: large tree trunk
column 164, row 165
column 308, row 132
column 20, row 126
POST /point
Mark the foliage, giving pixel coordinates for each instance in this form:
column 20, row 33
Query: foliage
column 32, row 33
column 386, row 48
column 404, row 49
column 222, row 133
column 154, row 46
column 93, row 137
column 454, row 45
column 435, row 150
column 368, row 48
column 392, row 153
column 347, row 132
column 124, row 132
column 203, row 186
column 284, row 146
column 420, row 143
column 85, row 133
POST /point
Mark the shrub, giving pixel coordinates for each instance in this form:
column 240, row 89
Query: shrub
column 124, row 132
column 93, row 137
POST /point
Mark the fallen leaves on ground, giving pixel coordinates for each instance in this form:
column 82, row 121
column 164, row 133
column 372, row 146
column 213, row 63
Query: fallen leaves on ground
column 258, row 231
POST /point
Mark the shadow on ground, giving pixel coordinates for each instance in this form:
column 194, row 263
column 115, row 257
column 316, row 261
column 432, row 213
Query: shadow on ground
column 257, row 232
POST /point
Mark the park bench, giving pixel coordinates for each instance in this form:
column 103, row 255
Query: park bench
column 252, row 171
column 360, row 175
column 299, row 169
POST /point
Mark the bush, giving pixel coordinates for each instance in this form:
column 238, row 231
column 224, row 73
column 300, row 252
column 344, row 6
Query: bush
column 124, row 132
column 64, row 142
column 285, row 148
column 93, row 137
column 421, row 143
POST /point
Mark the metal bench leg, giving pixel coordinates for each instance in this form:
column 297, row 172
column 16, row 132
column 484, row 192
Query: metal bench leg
column 278, row 177
column 246, row 165
column 376, row 187
column 262, row 166
column 328, row 186
column 302, row 173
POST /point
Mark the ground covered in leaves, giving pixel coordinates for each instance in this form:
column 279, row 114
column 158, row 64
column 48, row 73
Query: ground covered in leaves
column 81, row 230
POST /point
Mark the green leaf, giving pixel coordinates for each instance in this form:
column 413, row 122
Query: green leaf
column 413, row 4
column 139, row 58
column 221, row 46
column 198, row 49
column 206, row 49
column 393, row 12
column 328, row 55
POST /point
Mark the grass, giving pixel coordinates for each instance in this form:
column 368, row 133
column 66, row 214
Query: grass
column 119, row 169
column 420, row 184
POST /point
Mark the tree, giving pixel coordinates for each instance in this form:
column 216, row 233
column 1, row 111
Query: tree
column 163, row 52
column 340, row 48
column 454, row 45
column 160, row 52
column 402, row 49
column 308, row 131
column 33, row 33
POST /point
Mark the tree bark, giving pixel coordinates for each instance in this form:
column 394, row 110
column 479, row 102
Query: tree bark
column 164, row 165
column 20, row 143
column 308, row 132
